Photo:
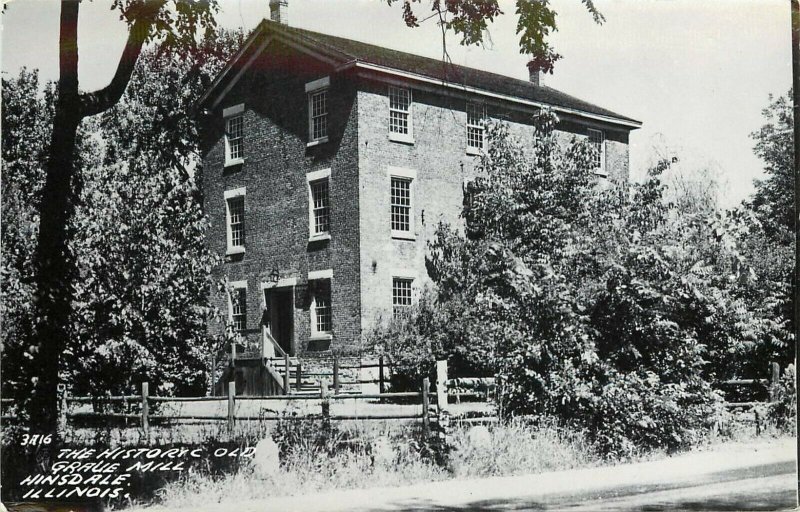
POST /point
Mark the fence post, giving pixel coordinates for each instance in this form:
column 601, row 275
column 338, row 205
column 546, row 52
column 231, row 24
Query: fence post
column 775, row 375
column 211, row 374
column 231, row 404
column 233, row 353
column 62, row 410
column 426, row 402
column 335, row 375
column 326, row 406
column 441, row 385
column 380, row 375
column 286, row 367
column 299, row 376
column 145, row 412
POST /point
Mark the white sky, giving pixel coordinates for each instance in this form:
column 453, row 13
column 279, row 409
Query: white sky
column 697, row 73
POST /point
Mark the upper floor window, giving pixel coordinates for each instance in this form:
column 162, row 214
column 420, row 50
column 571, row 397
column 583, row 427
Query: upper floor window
column 234, row 134
column 234, row 212
column 401, row 297
column 400, row 120
column 319, row 204
column 238, row 305
column 476, row 136
column 318, row 110
column 401, row 202
column 598, row 140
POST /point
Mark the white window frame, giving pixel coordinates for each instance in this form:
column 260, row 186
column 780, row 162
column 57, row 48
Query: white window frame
column 409, row 175
column 320, row 275
column 601, row 145
column 229, row 195
column 228, row 114
column 236, row 286
column 411, row 280
column 396, row 136
column 311, row 178
column 313, row 89
column 480, row 125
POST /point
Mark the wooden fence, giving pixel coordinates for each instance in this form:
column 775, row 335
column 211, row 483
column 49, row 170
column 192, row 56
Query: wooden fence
column 145, row 417
column 445, row 388
column 770, row 384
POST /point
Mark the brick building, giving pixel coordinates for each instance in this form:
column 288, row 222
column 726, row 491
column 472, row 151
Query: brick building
column 329, row 163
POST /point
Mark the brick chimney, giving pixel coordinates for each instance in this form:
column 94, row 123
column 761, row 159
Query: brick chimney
column 535, row 74
column 279, row 11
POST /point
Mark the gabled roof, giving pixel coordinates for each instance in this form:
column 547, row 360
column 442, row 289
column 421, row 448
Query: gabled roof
column 344, row 52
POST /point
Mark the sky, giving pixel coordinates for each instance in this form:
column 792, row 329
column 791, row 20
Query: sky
column 697, row 73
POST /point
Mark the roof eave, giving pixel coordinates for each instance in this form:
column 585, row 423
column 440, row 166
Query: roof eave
column 628, row 123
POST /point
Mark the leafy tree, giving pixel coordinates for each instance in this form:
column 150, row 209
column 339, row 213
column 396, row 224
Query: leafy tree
column 469, row 19
column 775, row 146
column 587, row 301
column 54, row 270
column 141, row 302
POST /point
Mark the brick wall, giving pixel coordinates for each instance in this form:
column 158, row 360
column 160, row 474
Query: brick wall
column 276, row 202
column 440, row 159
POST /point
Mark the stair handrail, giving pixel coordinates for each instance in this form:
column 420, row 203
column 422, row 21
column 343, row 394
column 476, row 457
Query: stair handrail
column 275, row 344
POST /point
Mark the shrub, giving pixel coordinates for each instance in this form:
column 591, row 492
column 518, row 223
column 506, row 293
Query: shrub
column 783, row 410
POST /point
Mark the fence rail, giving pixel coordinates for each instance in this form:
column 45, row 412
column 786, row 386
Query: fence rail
column 445, row 389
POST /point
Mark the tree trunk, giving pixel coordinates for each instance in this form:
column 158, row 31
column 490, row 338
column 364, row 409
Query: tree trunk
column 54, row 266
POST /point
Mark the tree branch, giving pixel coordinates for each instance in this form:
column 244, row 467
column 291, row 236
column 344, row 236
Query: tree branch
column 105, row 98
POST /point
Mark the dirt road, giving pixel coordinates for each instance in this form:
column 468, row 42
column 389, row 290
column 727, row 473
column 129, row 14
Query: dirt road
column 753, row 476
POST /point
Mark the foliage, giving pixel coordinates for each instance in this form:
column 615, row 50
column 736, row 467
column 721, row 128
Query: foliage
column 518, row 447
column 775, row 146
column 783, row 411
column 610, row 308
column 137, row 237
column 469, row 19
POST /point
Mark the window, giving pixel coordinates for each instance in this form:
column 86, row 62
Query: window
column 400, row 121
column 476, row 139
column 234, row 205
column 318, row 103
column 238, row 305
column 321, row 311
column 318, row 110
column 401, row 205
column 234, row 134
column 401, row 202
column 319, row 204
column 598, row 140
column 320, row 207
column 401, row 297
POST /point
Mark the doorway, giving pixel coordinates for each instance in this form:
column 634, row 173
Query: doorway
column 279, row 320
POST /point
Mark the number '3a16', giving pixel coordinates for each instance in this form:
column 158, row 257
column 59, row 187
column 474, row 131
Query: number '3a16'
column 31, row 440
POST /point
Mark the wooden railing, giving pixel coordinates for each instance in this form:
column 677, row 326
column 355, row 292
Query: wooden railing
column 145, row 417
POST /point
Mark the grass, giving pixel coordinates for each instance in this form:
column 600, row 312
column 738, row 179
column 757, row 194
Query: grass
column 519, row 448
column 316, row 457
column 311, row 467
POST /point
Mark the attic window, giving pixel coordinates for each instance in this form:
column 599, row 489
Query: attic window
column 401, row 122
column 234, row 134
column 597, row 139
column 476, row 137
column 318, row 110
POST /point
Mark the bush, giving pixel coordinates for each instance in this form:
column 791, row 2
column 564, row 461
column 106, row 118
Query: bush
column 783, row 411
column 633, row 414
